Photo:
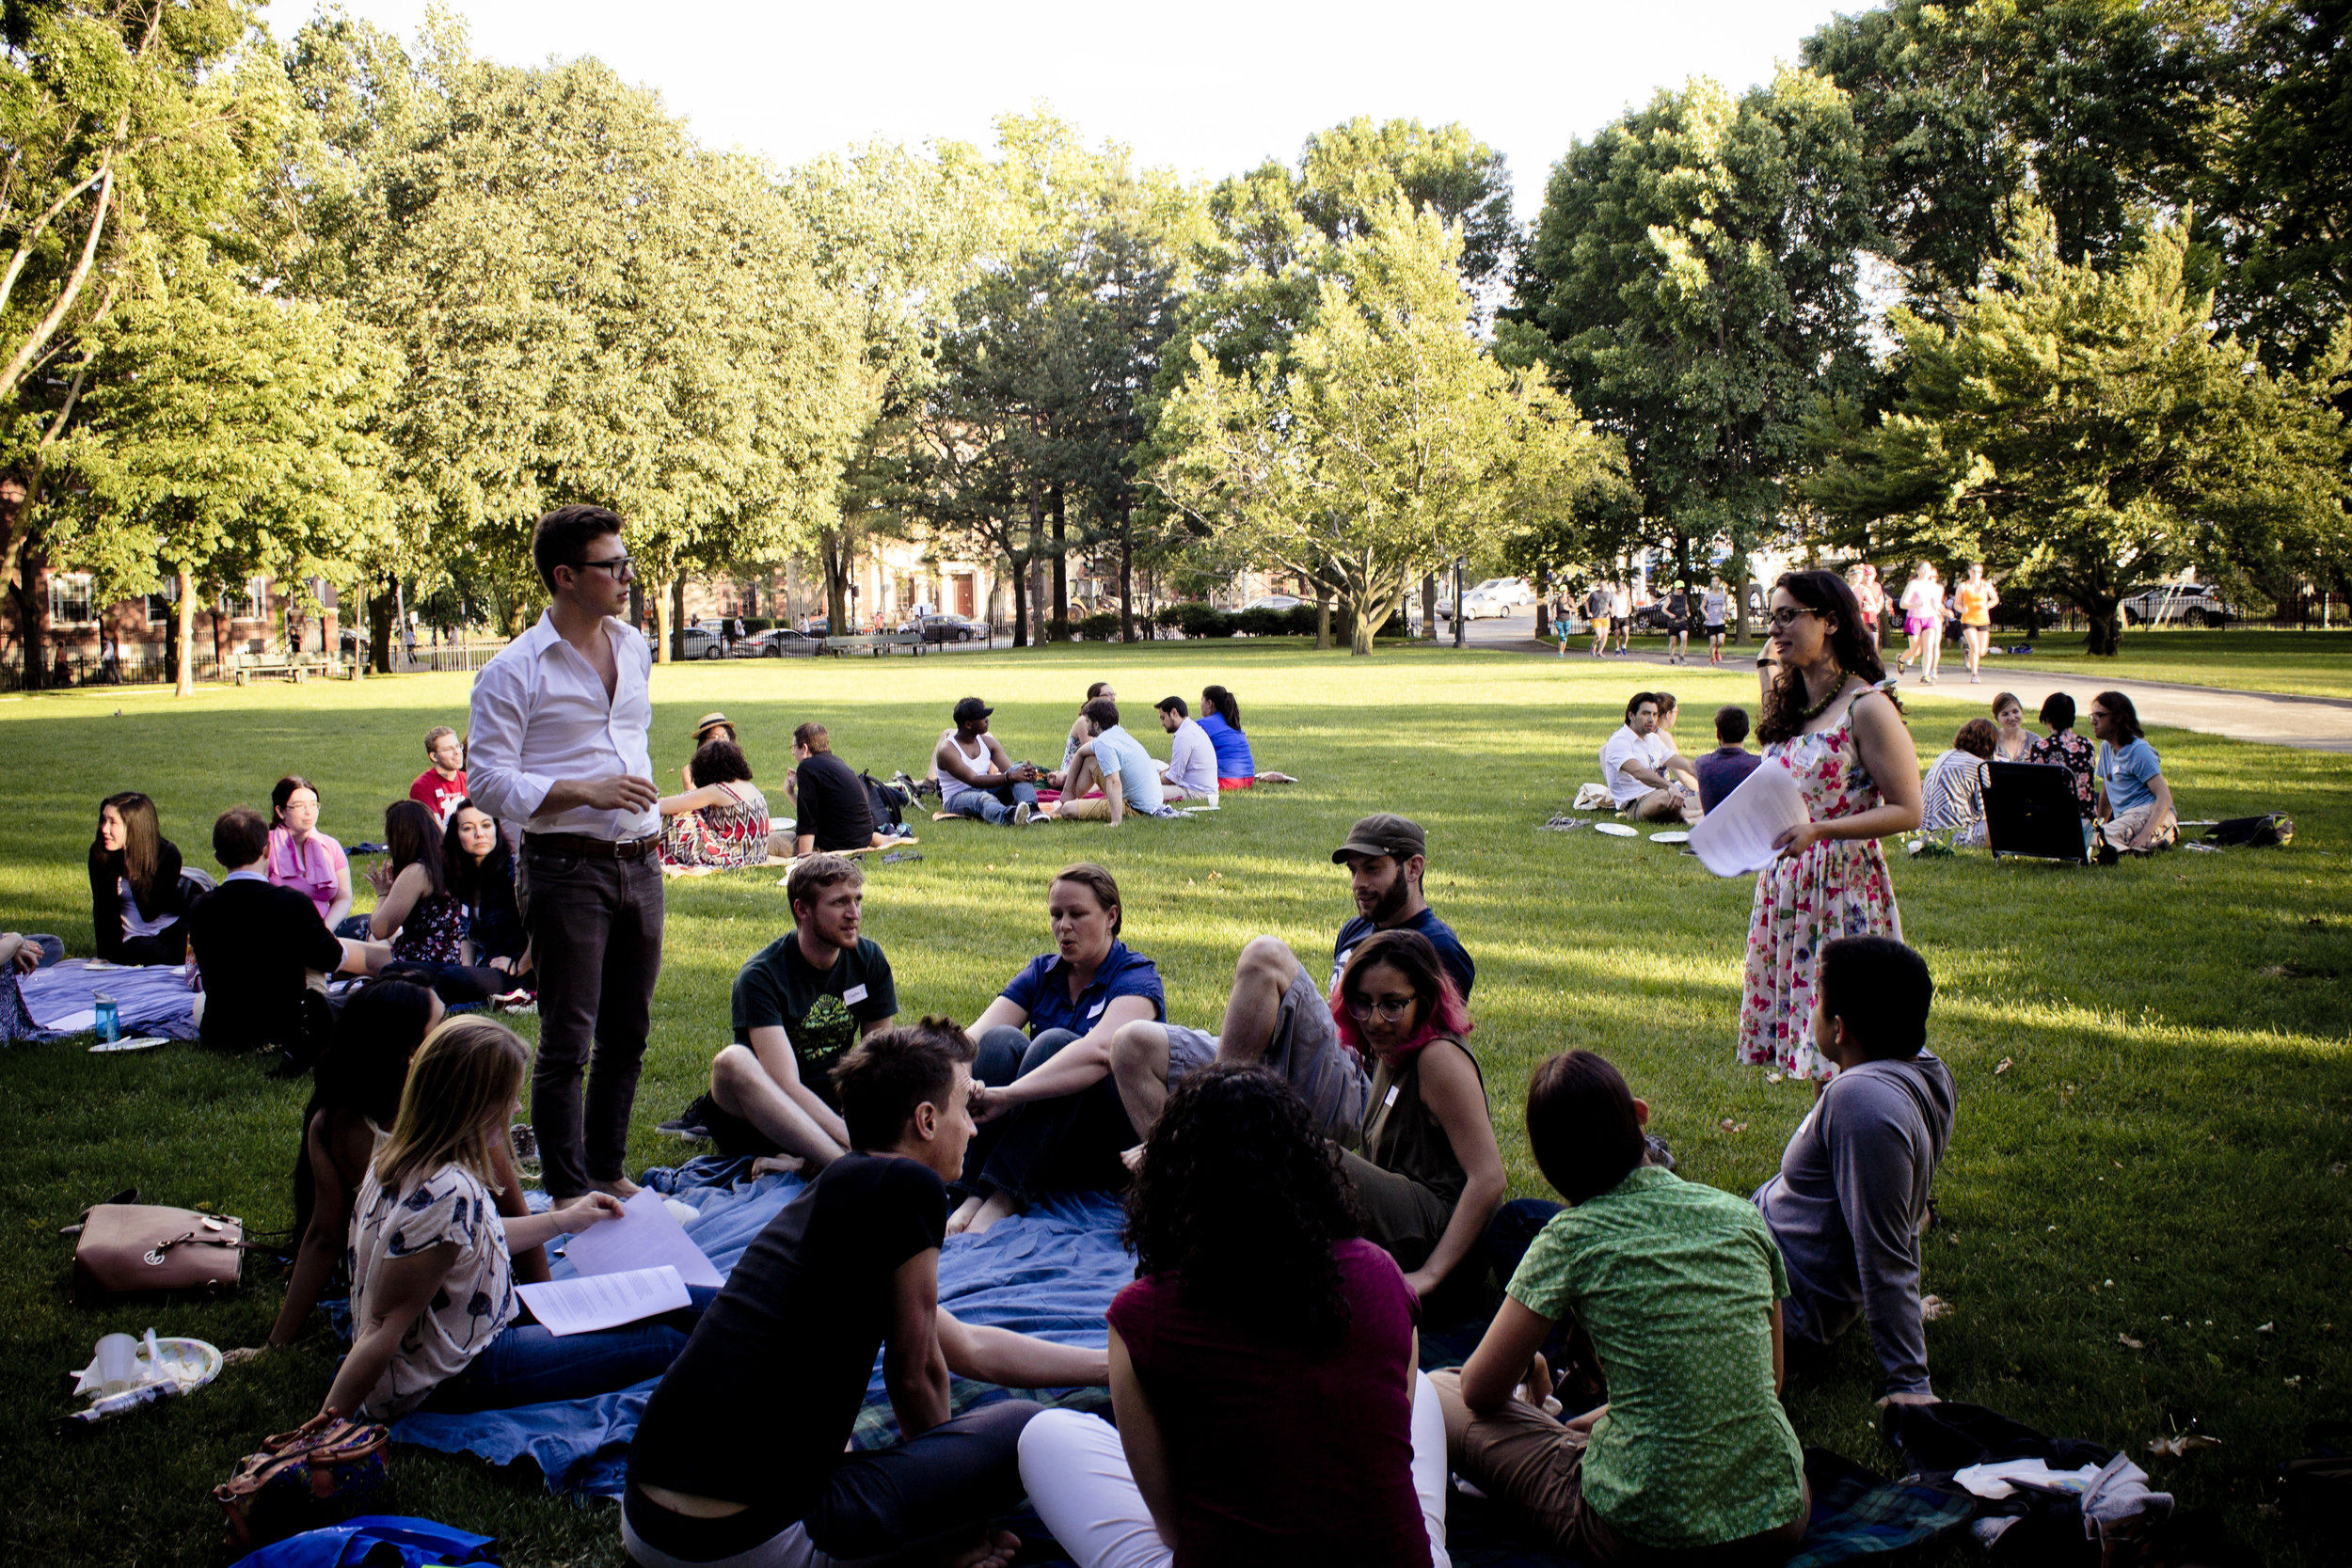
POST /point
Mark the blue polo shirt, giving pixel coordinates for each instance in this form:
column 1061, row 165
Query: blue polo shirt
column 2128, row 773
column 1040, row 991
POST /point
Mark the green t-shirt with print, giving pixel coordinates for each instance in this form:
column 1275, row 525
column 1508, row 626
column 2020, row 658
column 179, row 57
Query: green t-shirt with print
column 821, row 1011
column 1674, row 1281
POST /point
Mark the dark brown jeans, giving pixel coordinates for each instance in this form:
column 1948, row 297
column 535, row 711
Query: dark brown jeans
column 1535, row 1465
column 595, row 935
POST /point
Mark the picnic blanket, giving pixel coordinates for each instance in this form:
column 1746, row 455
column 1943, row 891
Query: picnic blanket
column 1049, row 1272
column 154, row 999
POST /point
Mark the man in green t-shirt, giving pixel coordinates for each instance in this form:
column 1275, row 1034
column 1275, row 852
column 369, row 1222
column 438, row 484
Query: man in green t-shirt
column 800, row 1005
column 1678, row 1287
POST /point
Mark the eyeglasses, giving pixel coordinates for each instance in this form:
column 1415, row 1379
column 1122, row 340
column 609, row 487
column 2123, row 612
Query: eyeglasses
column 1390, row 1008
column 1787, row 617
column 619, row 565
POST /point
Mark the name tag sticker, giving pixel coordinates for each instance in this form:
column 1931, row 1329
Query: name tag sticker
column 853, row 995
column 1096, row 1011
column 1389, row 1098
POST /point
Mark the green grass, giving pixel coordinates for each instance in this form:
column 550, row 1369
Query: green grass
column 2164, row 1157
column 2302, row 663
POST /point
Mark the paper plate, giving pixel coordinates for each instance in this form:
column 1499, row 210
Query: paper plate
column 137, row 1042
column 1614, row 829
column 1669, row 838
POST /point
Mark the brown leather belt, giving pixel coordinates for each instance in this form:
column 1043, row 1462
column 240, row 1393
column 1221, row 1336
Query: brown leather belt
column 633, row 849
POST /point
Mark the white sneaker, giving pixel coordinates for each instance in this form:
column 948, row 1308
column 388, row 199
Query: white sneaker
column 1021, row 813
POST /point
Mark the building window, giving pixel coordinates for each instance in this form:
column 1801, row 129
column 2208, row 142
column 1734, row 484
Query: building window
column 70, row 599
column 159, row 609
column 249, row 604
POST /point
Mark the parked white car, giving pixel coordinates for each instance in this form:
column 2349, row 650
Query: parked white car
column 2186, row 604
column 1275, row 601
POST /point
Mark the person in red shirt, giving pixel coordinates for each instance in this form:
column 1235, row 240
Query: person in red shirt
column 440, row 787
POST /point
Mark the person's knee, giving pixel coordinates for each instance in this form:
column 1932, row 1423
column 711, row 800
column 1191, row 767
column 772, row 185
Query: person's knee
column 1266, row 960
column 731, row 1072
column 1041, row 1050
column 1139, row 1049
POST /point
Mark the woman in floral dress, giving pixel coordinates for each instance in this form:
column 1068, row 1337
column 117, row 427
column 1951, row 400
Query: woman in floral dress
column 1842, row 739
column 721, row 821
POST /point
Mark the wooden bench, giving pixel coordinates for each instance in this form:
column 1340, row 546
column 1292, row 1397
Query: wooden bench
column 245, row 665
column 878, row 645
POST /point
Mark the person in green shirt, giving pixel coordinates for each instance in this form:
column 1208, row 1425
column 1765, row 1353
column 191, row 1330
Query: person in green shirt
column 1678, row 1287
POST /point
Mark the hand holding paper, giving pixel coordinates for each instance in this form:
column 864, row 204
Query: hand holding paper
column 645, row 1236
column 1744, row 833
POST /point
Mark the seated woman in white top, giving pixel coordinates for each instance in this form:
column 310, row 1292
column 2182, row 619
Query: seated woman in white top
column 1952, row 798
column 433, row 1302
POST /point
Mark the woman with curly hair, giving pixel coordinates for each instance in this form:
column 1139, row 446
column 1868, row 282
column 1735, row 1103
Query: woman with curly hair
column 1262, row 1364
column 1842, row 739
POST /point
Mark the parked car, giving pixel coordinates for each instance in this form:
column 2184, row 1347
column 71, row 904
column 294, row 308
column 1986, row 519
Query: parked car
column 1512, row 592
column 2188, row 604
column 948, row 628
column 1275, row 601
column 1485, row 604
column 776, row 643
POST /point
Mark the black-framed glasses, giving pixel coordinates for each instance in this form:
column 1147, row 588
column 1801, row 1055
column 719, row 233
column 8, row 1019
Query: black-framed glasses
column 1787, row 616
column 1391, row 1008
column 619, row 565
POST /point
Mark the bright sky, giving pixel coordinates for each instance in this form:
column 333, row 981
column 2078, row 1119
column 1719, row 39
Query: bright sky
column 1207, row 89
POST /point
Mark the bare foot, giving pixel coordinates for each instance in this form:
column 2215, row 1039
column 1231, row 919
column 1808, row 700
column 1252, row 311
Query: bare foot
column 1131, row 1159
column 995, row 1549
column 1000, row 1206
column 620, row 1187
column 778, row 1165
column 960, row 1221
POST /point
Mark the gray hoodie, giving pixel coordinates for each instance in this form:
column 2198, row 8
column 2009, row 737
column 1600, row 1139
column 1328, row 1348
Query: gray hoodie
column 1850, row 1201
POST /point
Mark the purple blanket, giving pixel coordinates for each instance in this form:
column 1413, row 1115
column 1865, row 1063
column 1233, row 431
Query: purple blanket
column 154, row 999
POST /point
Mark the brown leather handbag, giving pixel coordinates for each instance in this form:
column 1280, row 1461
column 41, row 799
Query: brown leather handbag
column 320, row 1473
column 128, row 1247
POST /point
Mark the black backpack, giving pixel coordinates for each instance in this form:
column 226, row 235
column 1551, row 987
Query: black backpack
column 886, row 800
column 2272, row 829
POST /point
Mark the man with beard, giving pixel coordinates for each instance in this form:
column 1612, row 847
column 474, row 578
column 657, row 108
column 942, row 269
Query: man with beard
column 1278, row 1016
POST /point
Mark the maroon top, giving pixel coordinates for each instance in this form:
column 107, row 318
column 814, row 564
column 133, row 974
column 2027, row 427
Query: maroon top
column 1278, row 1456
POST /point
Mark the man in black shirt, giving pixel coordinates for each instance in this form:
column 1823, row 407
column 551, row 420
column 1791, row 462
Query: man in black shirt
column 739, row 1454
column 800, row 1005
column 832, row 814
column 255, row 947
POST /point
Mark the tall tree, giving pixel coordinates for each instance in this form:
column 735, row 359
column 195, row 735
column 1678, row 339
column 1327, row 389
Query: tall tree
column 1390, row 444
column 2084, row 430
column 1692, row 279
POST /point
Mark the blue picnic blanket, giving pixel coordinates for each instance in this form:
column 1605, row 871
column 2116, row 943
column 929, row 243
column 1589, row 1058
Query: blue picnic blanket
column 152, row 999
column 1049, row 1272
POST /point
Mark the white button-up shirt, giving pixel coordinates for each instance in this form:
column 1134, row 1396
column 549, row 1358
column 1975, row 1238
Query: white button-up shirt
column 540, row 715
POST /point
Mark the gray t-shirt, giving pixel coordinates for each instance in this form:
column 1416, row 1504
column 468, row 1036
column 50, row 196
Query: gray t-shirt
column 1121, row 755
column 1850, row 1201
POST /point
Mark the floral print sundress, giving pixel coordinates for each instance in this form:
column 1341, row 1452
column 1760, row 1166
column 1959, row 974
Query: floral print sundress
column 1838, row 887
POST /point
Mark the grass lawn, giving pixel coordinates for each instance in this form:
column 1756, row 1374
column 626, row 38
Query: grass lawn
column 2302, row 663
column 2155, row 1090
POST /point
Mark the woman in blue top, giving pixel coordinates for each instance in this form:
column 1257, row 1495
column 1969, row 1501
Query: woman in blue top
column 1062, row 1124
column 2135, row 806
column 1220, row 720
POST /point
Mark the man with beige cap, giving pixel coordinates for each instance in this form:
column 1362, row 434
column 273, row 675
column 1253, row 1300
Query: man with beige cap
column 1277, row 1014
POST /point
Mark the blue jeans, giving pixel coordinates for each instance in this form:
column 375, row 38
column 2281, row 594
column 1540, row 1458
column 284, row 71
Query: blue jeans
column 527, row 1365
column 989, row 806
column 1072, row 1143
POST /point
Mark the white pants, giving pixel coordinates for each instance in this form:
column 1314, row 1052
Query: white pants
column 1078, row 1481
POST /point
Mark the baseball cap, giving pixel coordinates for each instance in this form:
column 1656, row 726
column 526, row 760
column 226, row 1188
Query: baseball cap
column 972, row 707
column 710, row 722
column 1383, row 833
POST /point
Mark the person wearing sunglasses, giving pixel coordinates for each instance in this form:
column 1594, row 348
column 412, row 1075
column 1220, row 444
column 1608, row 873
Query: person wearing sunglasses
column 560, row 744
column 1842, row 738
column 1427, row 1168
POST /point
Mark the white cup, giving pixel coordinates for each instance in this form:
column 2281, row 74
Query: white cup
column 118, row 1364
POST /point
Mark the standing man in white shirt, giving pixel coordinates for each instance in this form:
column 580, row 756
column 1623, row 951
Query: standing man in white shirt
column 1191, row 770
column 559, row 745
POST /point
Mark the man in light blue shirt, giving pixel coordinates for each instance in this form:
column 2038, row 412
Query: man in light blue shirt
column 1117, row 762
column 2134, row 812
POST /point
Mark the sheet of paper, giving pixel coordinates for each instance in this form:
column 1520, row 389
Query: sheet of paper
column 604, row 1301
column 646, row 1236
column 1737, row 837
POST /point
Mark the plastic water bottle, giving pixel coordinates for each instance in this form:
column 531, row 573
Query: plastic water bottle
column 109, row 1017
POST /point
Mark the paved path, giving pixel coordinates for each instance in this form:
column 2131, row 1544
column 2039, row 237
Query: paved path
column 2307, row 723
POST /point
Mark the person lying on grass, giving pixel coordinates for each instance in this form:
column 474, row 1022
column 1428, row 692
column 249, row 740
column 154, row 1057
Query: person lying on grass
column 354, row 1094
column 1851, row 1199
column 433, row 1311
column 739, row 1456
column 1263, row 1364
column 1062, row 1123
column 1278, row 1014
column 1678, row 1287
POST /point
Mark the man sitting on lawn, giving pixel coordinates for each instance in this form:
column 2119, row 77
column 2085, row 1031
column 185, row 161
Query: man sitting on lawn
column 1634, row 766
column 829, row 801
column 256, row 946
column 1278, row 1015
column 1728, row 766
column 800, row 1005
column 1850, row 1201
column 975, row 778
column 1191, row 770
column 1113, row 761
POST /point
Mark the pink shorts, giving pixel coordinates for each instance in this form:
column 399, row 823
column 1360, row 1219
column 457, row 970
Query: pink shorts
column 1915, row 625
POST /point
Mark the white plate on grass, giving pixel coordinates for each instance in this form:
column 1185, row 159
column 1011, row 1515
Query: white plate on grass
column 1669, row 838
column 137, row 1042
column 1614, row 829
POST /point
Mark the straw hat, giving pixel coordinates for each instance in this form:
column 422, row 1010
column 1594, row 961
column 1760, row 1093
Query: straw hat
column 712, row 721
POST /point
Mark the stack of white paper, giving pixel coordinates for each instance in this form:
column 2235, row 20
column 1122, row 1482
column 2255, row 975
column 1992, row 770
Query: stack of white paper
column 592, row 1302
column 1741, row 835
column 646, row 1236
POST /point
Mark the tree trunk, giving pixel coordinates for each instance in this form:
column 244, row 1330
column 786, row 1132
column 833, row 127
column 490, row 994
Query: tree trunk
column 1061, row 568
column 1126, row 575
column 1323, row 616
column 1543, row 604
column 23, row 566
column 1020, row 604
column 1428, row 607
column 2106, row 630
column 1359, row 627
column 379, row 629
column 183, row 635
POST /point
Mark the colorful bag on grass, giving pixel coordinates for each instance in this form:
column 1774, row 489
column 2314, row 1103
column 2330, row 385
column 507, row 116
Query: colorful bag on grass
column 318, row 1474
